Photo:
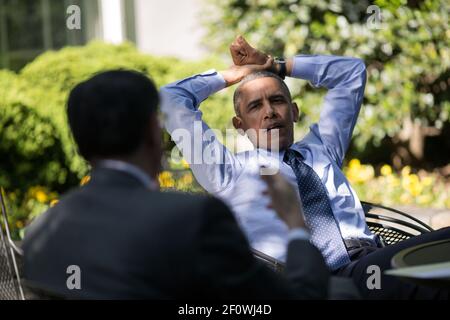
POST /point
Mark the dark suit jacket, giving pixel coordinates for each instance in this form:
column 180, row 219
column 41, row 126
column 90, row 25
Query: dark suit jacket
column 130, row 242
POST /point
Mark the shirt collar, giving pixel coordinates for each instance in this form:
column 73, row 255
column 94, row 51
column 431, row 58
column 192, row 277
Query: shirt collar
column 131, row 169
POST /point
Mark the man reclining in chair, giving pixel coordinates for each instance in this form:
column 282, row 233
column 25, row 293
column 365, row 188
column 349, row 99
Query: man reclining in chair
column 263, row 106
column 131, row 241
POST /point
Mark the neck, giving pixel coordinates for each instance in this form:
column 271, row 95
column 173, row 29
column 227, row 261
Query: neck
column 142, row 163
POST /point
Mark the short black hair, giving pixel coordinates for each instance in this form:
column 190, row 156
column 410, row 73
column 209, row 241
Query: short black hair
column 253, row 76
column 109, row 113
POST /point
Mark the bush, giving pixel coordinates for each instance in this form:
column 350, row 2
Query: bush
column 49, row 79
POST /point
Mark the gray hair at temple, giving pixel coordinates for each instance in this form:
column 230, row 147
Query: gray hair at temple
column 254, row 76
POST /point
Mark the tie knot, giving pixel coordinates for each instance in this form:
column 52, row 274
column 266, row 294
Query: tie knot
column 291, row 155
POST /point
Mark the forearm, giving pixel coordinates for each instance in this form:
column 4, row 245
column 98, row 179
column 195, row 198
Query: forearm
column 328, row 71
column 183, row 121
column 190, row 92
column 345, row 79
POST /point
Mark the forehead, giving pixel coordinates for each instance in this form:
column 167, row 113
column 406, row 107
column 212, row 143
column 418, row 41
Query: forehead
column 259, row 88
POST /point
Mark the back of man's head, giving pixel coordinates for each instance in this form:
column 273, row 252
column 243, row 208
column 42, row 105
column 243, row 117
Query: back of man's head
column 109, row 113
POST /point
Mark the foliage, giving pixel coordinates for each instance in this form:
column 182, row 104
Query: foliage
column 26, row 206
column 49, row 79
column 407, row 54
column 30, row 149
column 423, row 189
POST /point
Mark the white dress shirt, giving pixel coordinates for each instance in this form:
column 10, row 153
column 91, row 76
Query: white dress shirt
column 235, row 178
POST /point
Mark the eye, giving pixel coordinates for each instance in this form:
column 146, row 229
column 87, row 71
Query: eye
column 278, row 100
column 254, row 106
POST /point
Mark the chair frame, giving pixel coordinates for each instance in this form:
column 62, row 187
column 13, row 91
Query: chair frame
column 9, row 244
column 390, row 229
column 418, row 226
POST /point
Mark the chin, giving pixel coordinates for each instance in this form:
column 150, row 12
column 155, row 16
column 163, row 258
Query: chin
column 275, row 141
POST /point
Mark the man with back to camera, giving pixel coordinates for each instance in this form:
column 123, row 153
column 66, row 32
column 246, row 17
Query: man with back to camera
column 263, row 106
column 131, row 241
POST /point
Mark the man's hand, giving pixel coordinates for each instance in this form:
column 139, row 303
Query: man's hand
column 236, row 73
column 243, row 53
column 285, row 200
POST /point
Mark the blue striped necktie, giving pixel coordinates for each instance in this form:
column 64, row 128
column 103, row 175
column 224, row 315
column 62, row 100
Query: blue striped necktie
column 325, row 234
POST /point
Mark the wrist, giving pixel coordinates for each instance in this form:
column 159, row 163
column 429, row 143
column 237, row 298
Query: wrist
column 275, row 68
column 279, row 67
column 231, row 76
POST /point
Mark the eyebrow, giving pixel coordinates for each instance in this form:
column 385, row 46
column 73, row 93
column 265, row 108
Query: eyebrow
column 273, row 96
column 277, row 95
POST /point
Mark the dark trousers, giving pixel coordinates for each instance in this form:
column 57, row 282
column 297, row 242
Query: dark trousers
column 391, row 287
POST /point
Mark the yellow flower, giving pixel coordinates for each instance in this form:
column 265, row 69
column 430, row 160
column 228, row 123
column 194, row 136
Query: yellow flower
column 41, row 196
column 358, row 173
column 354, row 164
column 185, row 164
column 412, row 184
column 386, row 170
column 166, row 180
column 367, row 173
column 85, row 180
column 406, row 170
column 427, row 181
column 53, row 203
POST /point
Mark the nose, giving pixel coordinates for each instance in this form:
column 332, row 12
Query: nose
column 269, row 111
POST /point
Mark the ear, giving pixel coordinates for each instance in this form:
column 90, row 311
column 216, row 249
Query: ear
column 295, row 112
column 237, row 123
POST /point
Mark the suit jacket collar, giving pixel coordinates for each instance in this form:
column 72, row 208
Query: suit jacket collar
column 107, row 176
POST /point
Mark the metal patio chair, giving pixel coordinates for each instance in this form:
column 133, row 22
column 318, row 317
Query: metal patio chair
column 391, row 225
column 10, row 285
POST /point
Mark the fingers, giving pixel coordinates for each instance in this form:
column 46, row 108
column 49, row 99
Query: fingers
column 241, row 41
column 238, row 55
column 267, row 178
column 260, row 67
column 268, row 63
column 271, row 179
column 239, row 49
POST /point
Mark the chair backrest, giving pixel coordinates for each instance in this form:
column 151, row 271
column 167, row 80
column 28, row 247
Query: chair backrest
column 392, row 225
column 10, row 286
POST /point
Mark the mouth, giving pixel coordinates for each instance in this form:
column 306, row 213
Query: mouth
column 274, row 126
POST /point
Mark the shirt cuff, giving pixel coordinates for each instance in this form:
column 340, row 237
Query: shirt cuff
column 304, row 67
column 298, row 234
column 215, row 83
